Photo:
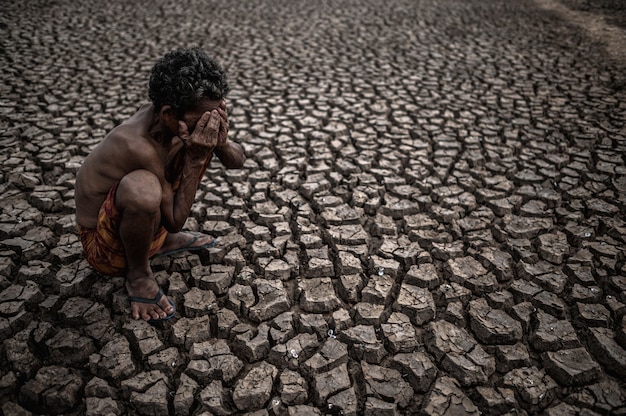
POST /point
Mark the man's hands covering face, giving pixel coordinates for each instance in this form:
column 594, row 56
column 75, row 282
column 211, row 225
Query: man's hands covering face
column 211, row 131
column 223, row 135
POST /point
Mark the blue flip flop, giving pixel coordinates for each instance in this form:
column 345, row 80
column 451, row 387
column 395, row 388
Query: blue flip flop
column 188, row 246
column 155, row 301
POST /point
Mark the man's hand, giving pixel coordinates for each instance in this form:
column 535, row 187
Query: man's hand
column 223, row 135
column 205, row 136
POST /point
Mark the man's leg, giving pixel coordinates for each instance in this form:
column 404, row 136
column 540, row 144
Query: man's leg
column 138, row 200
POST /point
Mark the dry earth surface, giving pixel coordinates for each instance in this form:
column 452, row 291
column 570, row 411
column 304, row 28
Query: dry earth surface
column 430, row 220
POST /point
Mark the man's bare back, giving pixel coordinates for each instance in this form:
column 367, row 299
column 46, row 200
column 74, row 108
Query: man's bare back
column 135, row 190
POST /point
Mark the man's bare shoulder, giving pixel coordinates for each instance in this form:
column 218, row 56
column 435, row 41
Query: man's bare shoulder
column 130, row 144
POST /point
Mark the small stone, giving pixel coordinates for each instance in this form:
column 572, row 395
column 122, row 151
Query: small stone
column 493, row 326
column 593, row 315
column 295, row 351
column 184, row 397
column 350, row 287
column 523, row 290
column 318, row 295
column 68, row 347
column 350, row 235
column 461, row 269
column 535, row 389
column 526, row 227
column 272, row 300
column 399, row 334
column 319, row 267
column 332, row 354
column 198, row 302
column 277, row 269
column 551, row 334
column 572, row 367
column 378, row 289
column 345, row 402
column 608, row 352
column 509, row 357
column 226, row 320
column 364, row 345
column 604, row 397
column 451, row 292
column 54, row 389
column 293, row 388
column 499, row 261
column 251, row 343
column 282, row 328
column 95, row 406
column 348, row 264
column 254, row 390
column 386, row 384
column 417, row 303
column 143, row 337
column 551, row 303
column 455, row 313
column 495, row 400
column 141, row 382
column 214, row 398
column 369, row 314
column 168, row 361
column 313, row 323
column 419, row 370
column 330, row 383
column 216, row 278
column 459, row 353
column 544, row 274
column 585, row 294
column 447, row 398
column 423, row 275
column 378, row 407
column 114, row 360
column 187, row 331
column 553, row 247
column 502, row 299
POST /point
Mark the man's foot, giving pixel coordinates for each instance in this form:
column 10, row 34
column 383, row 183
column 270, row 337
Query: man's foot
column 147, row 300
column 185, row 241
column 155, row 301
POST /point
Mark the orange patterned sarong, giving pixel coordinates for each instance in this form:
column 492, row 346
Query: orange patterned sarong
column 103, row 246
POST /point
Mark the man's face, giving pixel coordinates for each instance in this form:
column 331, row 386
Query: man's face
column 192, row 117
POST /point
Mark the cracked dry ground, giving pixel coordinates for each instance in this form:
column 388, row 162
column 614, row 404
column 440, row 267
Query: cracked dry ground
column 430, row 219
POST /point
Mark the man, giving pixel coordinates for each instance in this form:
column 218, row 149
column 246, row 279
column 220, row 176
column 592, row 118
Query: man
column 135, row 190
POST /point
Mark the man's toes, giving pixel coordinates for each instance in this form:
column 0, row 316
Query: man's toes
column 145, row 316
column 150, row 314
column 166, row 306
column 143, row 313
column 135, row 311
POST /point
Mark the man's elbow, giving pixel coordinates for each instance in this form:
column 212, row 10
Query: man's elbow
column 173, row 227
column 236, row 163
column 240, row 163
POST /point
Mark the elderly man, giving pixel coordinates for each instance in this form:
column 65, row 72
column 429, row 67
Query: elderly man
column 135, row 190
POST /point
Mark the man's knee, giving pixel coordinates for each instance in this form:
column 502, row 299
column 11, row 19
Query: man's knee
column 140, row 191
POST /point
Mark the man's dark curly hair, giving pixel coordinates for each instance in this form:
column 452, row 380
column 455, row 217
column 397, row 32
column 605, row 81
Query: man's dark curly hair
column 183, row 77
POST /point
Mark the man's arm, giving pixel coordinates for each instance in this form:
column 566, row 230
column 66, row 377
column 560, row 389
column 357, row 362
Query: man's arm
column 199, row 146
column 230, row 154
